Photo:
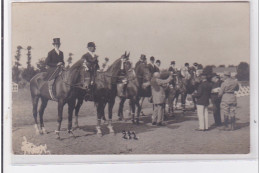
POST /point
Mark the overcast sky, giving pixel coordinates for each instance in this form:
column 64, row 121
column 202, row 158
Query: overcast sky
column 207, row 33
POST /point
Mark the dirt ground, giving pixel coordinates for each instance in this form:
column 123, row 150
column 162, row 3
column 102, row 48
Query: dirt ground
column 177, row 137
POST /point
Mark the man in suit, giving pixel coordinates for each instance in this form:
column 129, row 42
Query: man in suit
column 158, row 93
column 54, row 60
column 157, row 65
column 215, row 99
column 141, row 60
column 151, row 65
column 229, row 101
column 203, row 96
column 172, row 67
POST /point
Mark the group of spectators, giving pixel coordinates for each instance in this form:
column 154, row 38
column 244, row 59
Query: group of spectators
column 221, row 92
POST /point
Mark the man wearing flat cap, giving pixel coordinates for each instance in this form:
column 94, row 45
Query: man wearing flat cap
column 54, row 60
column 228, row 101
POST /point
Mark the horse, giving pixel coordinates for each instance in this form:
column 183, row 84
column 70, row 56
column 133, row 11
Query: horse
column 137, row 86
column 183, row 87
column 64, row 86
column 104, row 91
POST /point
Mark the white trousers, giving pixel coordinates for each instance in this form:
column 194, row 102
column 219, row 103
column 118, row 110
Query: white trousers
column 203, row 117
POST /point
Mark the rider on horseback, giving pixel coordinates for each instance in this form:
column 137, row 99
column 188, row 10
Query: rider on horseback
column 55, row 63
column 92, row 65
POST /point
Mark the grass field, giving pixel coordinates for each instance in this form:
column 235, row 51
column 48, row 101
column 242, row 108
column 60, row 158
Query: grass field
column 177, row 137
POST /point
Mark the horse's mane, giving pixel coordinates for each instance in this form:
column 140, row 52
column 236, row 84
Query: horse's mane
column 77, row 64
column 112, row 67
column 164, row 74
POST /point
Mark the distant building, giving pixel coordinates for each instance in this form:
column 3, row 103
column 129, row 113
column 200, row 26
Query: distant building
column 220, row 70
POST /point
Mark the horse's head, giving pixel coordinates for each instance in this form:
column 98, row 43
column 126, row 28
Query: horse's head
column 144, row 75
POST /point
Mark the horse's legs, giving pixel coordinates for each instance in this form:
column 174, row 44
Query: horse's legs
column 35, row 100
column 121, row 108
column 183, row 101
column 77, row 108
column 194, row 102
column 140, row 102
column 71, row 106
column 132, row 108
column 41, row 112
column 138, row 109
column 110, row 114
column 60, row 112
column 100, row 114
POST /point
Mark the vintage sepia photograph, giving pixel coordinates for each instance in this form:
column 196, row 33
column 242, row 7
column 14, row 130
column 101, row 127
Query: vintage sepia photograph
column 125, row 78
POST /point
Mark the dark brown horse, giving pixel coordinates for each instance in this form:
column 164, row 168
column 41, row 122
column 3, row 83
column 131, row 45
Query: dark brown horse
column 64, row 87
column 104, row 91
column 138, row 85
column 182, row 87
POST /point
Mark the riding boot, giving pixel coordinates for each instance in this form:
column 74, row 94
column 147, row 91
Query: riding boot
column 225, row 123
column 233, row 119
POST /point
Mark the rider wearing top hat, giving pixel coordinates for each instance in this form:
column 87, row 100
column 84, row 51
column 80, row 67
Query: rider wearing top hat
column 54, row 60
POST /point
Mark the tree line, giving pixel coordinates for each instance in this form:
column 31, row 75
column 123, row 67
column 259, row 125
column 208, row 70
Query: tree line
column 22, row 75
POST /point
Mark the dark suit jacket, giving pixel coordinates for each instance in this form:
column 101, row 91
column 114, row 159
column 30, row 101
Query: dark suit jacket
column 91, row 61
column 53, row 58
column 203, row 93
column 151, row 68
column 156, row 69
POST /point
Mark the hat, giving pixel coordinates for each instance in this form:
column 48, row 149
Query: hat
column 186, row 64
column 152, row 58
column 173, row 63
column 227, row 73
column 156, row 75
column 158, row 61
column 56, row 41
column 143, row 57
column 91, row 44
column 195, row 64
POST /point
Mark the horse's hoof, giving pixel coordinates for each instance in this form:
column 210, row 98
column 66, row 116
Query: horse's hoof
column 99, row 134
column 44, row 131
column 137, row 122
column 133, row 121
column 142, row 114
column 119, row 119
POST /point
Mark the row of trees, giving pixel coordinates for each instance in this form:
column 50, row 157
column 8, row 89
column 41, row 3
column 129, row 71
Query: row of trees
column 243, row 71
column 23, row 75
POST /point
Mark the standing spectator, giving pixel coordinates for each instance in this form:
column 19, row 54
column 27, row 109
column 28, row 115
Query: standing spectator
column 172, row 67
column 228, row 101
column 158, row 93
column 215, row 99
column 151, row 65
column 203, row 96
column 157, row 65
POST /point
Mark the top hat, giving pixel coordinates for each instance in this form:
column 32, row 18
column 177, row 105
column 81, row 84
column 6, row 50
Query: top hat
column 91, row 44
column 227, row 73
column 56, row 41
column 173, row 63
column 186, row 64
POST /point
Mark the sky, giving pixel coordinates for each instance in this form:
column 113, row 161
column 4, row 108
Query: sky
column 207, row 33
